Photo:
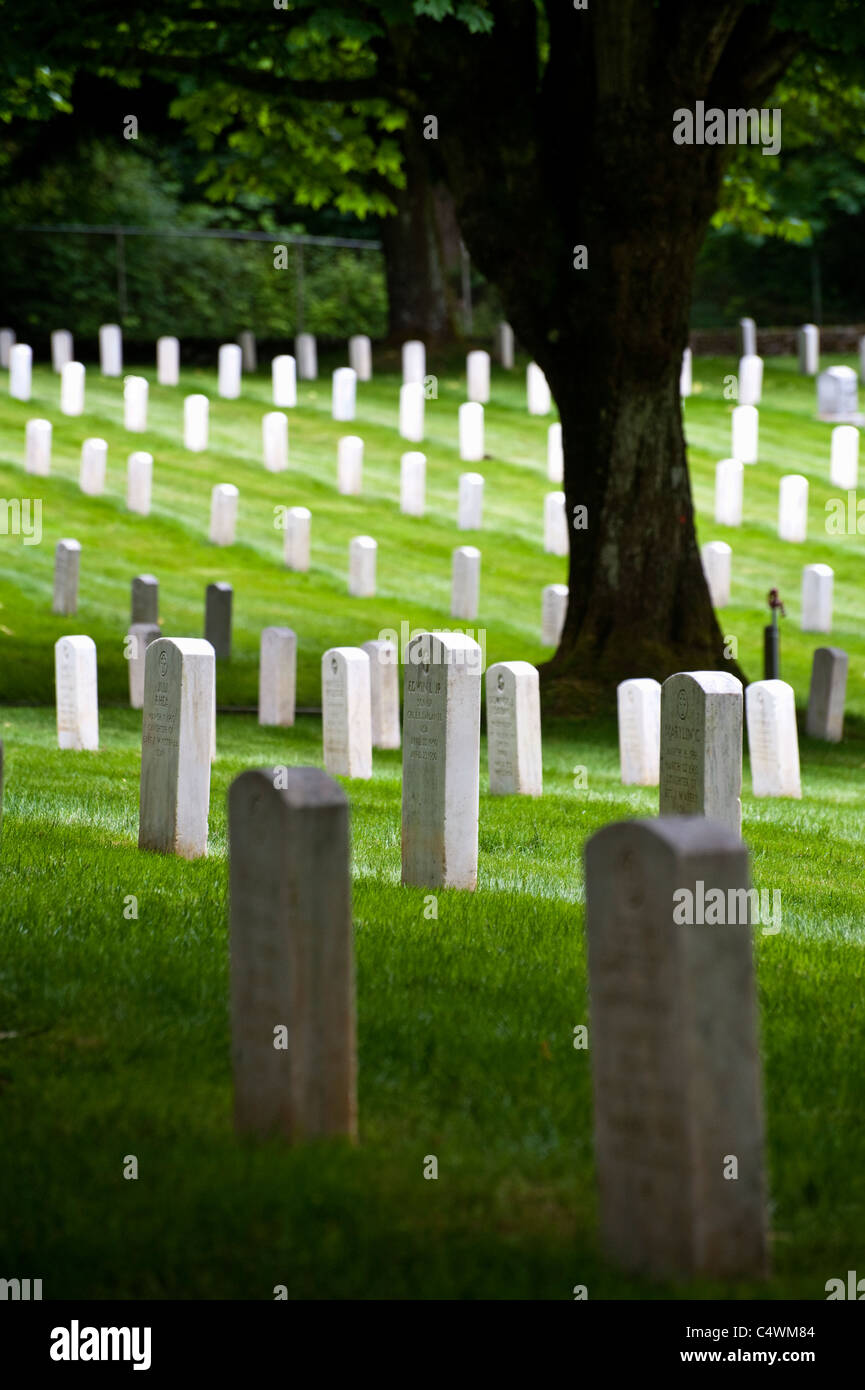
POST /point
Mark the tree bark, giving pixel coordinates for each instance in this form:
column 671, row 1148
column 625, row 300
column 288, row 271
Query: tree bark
column 420, row 302
column 581, row 152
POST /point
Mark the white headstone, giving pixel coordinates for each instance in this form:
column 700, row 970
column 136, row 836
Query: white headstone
column 306, row 355
column 223, row 514
column 274, row 434
column 94, row 456
column 844, row 462
column 471, row 431
column 837, row 393
column 639, row 709
column 72, row 388
column 701, row 747
column 746, row 422
column 277, row 677
column 298, row 523
column 773, row 743
column 793, row 507
column 514, row 729
column 412, row 484
column 717, row 559
column 748, row 330
column 506, row 345
column 361, row 567
column 138, row 639
column 196, row 411
column 384, row 692
column 817, row 582
column 466, row 583
column 135, row 390
column 411, row 412
column 441, row 761
column 77, row 705
column 110, row 350
column 346, row 715
column 61, row 348
column 168, row 361
column 67, row 563
column 554, row 610
column 360, row 356
column 808, row 343
column 7, row 342
column 826, row 696
column 537, row 390
column 284, row 382
column 729, row 484
column 139, row 482
column 20, row 371
column 478, row 377
column 344, row 393
column 686, row 374
column 555, row 524
column 750, row 380
column 471, row 502
column 38, row 447
column 555, row 454
column 349, row 465
column 230, row 368
column 176, row 744
column 413, row 362
column 249, row 354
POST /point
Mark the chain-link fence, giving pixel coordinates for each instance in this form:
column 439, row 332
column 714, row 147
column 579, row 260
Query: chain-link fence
column 192, row 282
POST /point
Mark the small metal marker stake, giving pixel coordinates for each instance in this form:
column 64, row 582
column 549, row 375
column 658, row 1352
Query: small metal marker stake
column 772, row 639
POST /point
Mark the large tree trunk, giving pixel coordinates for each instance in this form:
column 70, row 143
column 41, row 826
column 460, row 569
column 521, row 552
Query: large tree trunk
column 584, row 155
column 420, row 302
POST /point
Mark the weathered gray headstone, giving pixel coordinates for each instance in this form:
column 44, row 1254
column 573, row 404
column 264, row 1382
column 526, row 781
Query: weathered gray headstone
column 346, row 714
column 440, row 766
column 679, row 1132
column 75, row 683
column 7, row 342
column 218, row 600
column 277, row 677
column 138, row 639
column 701, row 747
column 384, row 692
column 306, row 356
column 248, row 350
column 292, row 966
column 67, row 563
column 748, row 330
column 145, row 599
column 514, row 729
column 827, row 694
column 639, row 708
column 773, row 742
column 505, row 345
column 176, row 746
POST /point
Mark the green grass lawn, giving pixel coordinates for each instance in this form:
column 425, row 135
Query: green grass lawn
column 114, row 1028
